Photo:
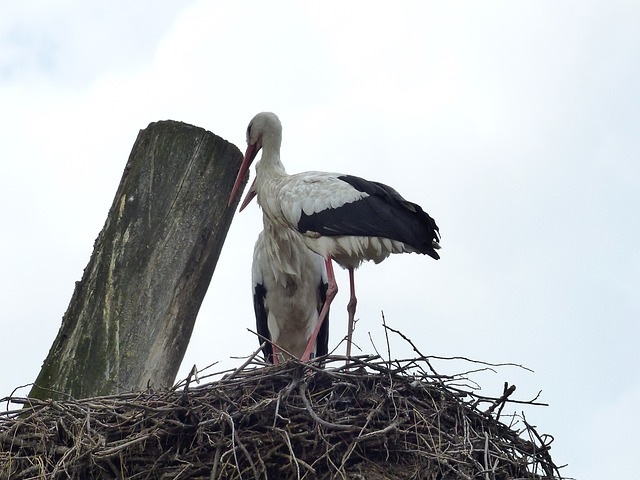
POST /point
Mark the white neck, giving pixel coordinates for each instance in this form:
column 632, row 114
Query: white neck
column 269, row 166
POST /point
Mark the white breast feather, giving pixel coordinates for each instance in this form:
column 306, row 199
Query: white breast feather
column 291, row 275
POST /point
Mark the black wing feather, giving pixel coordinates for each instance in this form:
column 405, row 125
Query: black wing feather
column 322, row 342
column 383, row 213
column 262, row 326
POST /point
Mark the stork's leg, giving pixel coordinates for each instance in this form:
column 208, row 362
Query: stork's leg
column 351, row 309
column 275, row 353
column 332, row 289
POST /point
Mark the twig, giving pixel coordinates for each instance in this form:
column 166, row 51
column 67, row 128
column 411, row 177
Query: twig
column 268, row 340
column 242, row 367
column 314, row 415
column 508, row 390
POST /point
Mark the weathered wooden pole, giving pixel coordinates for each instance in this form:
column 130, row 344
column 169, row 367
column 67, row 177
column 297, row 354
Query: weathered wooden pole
column 131, row 316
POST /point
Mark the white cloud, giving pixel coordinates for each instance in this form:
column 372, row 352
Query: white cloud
column 514, row 125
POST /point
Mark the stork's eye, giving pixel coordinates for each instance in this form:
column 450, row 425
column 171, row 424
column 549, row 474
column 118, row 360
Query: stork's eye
column 249, row 131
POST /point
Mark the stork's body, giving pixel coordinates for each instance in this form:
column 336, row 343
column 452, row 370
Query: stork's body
column 289, row 288
column 340, row 217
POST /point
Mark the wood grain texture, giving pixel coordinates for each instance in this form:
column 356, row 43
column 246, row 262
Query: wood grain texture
column 131, row 316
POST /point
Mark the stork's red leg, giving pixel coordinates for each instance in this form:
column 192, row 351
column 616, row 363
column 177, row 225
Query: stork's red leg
column 351, row 308
column 332, row 289
column 275, row 353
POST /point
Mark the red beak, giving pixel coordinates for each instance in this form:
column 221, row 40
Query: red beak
column 250, row 154
column 249, row 196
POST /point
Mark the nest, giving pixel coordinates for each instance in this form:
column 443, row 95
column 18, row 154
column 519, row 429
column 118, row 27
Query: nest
column 370, row 419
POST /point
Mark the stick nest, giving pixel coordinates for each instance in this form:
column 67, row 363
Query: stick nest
column 372, row 419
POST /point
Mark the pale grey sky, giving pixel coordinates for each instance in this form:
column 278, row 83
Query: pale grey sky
column 516, row 125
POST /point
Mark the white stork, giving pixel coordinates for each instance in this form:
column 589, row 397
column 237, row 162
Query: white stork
column 340, row 217
column 289, row 289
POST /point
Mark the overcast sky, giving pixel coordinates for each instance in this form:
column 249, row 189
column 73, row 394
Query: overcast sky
column 516, row 125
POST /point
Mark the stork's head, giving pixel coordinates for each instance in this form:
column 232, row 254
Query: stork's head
column 264, row 131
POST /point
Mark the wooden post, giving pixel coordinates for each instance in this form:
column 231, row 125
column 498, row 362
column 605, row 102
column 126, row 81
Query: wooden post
column 130, row 318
